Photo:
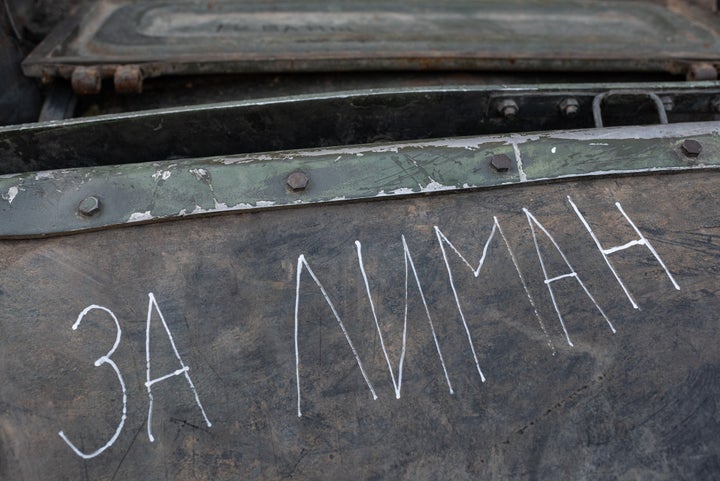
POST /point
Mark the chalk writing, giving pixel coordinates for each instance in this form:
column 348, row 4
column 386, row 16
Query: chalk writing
column 571, row 275
column 300, row 264
column 395, row 369
column 408, row 262
column 152, row 303
column 443, row 240
column 103, row 360
column 642, row 241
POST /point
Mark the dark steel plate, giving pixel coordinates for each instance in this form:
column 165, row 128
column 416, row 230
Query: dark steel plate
column 194, row 36
column 637, row 404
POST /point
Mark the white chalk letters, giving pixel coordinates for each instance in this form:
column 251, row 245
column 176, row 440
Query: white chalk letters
column 152, row 304
column 570, row 275
column 447, row 248
column 642, row 241
column 103, row 360
column 549, row 255
column 300, row 264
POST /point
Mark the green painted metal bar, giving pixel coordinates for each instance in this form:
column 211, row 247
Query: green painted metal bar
column 66, row 201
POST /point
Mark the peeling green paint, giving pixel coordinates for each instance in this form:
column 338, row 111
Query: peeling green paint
column 45, row 203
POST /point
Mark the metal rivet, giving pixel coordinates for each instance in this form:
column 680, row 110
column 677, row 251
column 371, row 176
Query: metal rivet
column 569, row 107
column 508, row 108
column 691, row 148
column 90, row 205
column 297, row 180
column 500, row 162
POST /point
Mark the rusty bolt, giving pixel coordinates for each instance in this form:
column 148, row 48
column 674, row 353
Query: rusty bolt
column 508, row 108
column 89, row 206
column 128, row 79
column 691, row 148
column 86, row 80
column 297, row 180
column 500, row 162
column 569, row 107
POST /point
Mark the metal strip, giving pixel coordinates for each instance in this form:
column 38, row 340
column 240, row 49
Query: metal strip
column 66, row 201
column 337, row 118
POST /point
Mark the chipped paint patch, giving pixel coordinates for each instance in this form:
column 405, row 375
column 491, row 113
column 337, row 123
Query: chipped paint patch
column 200, row 174
column 401, row 191
column 265, row 203
column 140, row 216
column 11, row 194
column 161, row 175
column 44, row 175
column 435, row 186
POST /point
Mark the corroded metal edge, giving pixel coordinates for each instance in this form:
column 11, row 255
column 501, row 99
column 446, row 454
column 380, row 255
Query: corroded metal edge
column 51, row 202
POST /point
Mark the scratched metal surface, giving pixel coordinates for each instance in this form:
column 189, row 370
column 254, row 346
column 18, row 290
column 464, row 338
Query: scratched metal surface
column 221, row 36
column 637, row 404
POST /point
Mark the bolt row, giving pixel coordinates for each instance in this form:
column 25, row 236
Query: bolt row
column 298, row 181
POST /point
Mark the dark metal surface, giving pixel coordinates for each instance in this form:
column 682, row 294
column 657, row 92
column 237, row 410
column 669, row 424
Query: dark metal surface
column 19, row 96
column 193, row 36
column 637, row 404
column 45, row 203
column 331, row 119
column 59, row 103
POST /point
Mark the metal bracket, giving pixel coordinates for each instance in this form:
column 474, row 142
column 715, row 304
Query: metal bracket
column 597, row 103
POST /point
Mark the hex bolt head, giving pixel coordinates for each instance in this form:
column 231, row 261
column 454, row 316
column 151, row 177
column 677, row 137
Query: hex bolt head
column 508, row 108
column 691, row 148
column 500, row 162
column 569, row 107
column 89, row 206
column 297, row 181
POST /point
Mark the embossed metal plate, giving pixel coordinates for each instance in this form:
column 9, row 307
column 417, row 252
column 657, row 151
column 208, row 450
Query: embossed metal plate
column 192, row 36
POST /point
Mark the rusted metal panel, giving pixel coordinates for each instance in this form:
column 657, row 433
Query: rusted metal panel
column 191, row 37
column 608, row 392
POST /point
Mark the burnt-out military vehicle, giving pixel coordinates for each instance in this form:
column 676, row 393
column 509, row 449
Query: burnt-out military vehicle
column 360, row 240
